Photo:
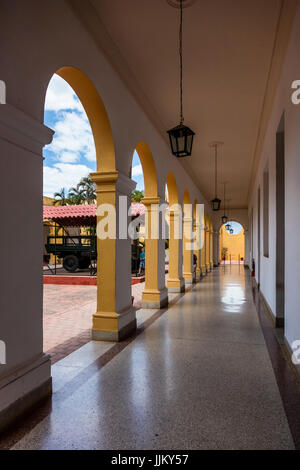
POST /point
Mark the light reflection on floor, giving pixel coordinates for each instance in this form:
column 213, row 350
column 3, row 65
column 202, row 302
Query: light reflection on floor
column 233, row 298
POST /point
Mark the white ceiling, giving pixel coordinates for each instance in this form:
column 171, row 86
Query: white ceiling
column 228, row 47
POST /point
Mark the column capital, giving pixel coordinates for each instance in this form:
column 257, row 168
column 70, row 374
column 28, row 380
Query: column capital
column 148, row 201
column 113, row 181
column 105, row 177
column 173, row 214
column 105, row 181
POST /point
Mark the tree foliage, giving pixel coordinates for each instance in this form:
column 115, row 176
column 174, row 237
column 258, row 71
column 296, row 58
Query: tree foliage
column 83, row 193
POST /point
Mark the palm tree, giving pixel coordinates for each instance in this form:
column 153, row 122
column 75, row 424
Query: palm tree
column 137, row 196
column 88, row 188
column 76, row 196
column 60, row 198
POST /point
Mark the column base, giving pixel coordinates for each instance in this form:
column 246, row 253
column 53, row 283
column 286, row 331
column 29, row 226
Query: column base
column 188, row 278
column 23, row 389
column 198, row 274
column 113, row 326
column 155, row 298
column 207, row 268
column 175, row 285
column 203, row 270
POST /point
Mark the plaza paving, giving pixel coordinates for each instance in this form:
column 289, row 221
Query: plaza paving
column 68, row 314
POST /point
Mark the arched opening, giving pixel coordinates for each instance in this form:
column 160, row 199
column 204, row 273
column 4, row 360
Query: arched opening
column 197, row 240
column 187, row 238
column 211, row 243
column 149, row 171
column 69, row 254
column 175, row 282
column 83, row 143
column 154, row 294
column 207, row 243
column 138, row 236
column 232, row 243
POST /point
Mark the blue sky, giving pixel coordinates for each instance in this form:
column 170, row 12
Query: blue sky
column 236, row 227
column 71, row 155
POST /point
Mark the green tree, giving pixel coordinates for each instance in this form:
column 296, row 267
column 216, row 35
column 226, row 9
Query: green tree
column 88, row 189
column 137, row 196
column 60, row 198
column 76, row 196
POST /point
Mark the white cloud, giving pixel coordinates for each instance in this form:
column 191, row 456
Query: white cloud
column 137, row 170
column 73, row 135
column 61, row 96
column 63, row 175
column 69, row 157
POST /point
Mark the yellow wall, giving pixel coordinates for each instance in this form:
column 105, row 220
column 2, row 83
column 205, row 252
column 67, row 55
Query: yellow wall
column 234, row 243
column 47, row 201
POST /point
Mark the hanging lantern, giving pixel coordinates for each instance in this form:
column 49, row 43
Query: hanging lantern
column 224, row 218
column 181, row 140
column 231, row 231
column 228, row 227
column 181, row 137
column 216, row 203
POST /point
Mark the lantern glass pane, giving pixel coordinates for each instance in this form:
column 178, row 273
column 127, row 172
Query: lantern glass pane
column 173, row 143
column 189, row 143
column 180, row 141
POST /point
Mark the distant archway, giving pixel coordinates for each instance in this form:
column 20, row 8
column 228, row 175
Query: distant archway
column 232, row 245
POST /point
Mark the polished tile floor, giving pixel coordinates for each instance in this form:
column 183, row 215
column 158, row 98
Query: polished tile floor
column 197, row 375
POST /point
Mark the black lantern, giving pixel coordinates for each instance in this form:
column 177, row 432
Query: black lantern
column 231, row 231
column 216, row 203
column 228, row 227
column 224, row 219
column 181, row 140
column 181, row 137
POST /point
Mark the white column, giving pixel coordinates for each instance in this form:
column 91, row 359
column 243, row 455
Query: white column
column 25, row 378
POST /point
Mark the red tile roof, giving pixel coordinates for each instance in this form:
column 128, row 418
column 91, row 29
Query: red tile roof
column 80, row 215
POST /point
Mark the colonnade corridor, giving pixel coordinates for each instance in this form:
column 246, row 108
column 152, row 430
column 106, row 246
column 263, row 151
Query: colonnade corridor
column 197, row 375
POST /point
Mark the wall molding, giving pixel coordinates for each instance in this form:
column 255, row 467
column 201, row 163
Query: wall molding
column 22, row 130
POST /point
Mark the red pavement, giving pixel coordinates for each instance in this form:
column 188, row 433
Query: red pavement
column 68, row 314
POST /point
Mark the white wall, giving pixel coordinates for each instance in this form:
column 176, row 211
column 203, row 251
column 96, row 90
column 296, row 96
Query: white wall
column 282, row 104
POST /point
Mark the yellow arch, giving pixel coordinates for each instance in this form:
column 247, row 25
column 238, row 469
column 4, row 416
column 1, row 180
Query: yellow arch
column 172, row 189
column 97, row 115
column 187, row 200
column 149, row 170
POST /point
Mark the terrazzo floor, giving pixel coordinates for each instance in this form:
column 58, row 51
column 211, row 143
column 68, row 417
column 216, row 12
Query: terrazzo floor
column 197, row 375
